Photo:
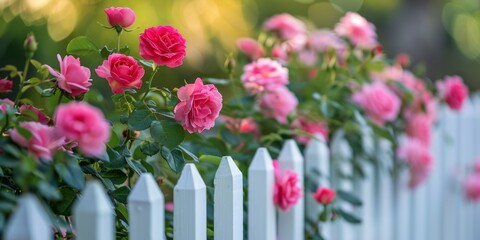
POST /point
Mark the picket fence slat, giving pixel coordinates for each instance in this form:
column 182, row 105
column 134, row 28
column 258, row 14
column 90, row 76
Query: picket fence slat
column 261, row 211
column 317, row 170
column 190, row 200
column 228, row 201
column 384, row 191
column 146, row 210
column 93, row 215
column 30, row 222
column 291, row 222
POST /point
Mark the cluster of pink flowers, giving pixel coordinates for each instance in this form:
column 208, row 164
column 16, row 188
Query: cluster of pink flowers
column 310, row 126
column 418, row 158
column 471, row 184
column 286, row 191
column 76, row 124
column 358, row 30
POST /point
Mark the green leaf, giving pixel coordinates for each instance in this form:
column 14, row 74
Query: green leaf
column 211, row 158
column 105, row 52
column 12, row 69
column 24, row 132
column 81, row 46
column 167, row 133
column 190, row 154
column 124, row 50
column 71, row 173
column 9, row 162
column 349, row 197
column 174, row 159
column 122, row 212
column 48, row 92
column 149, row 148
column 349, row 217
column 116, row 176
column 136, row 166
column 121, row 194
column 146, row 63
column 217, row 81
column 140, row 119
column 64, row 206
column 49, row 192
column 116, row 159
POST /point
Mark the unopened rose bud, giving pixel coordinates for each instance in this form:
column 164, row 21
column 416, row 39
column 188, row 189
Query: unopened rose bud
column 30, row 45
column 5, row 85
column 230, row 64
column 121, row 17
column 402, row 59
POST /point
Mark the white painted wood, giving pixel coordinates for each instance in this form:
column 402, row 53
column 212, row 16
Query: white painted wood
column 317, row 170
column 93, row 214
column 228, row 201
column 190, row 199
column 146, row 210
column 385, row 188
column 367, row 187
column 342, row 155
column 29, row 222
column 476, row 207
column 261, row 210
column 291, row 222
column 402, row 205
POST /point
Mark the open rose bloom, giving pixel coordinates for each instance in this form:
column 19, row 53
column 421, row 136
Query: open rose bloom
column 286, row 191
column 121, row 72
column 164, row 45
column 72, row 78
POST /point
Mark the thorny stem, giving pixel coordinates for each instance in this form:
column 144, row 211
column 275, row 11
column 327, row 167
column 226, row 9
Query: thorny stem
column 22, row 81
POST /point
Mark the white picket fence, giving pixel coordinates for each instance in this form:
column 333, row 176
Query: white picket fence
column 436, row 210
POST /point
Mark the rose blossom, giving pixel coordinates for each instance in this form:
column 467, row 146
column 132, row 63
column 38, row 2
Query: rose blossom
column 418, row 158
column 120, row 16
column 389, row 73
column 41, row 117
column 5, row 104
column 287, row 26
column 286, row 191
column 324, row 195
column 379, row 102
column 307, row 57
column 278, row 103
column 199, row 106
column 164, row 45
column 5, row 85
column 323, row 40
column 472, row 187
column 358, row 30
column 85, row 125
column 121, row 72
column 280, row 53
column 476, row 167
column 72, row 78
column 44, row 141
column 419, row 127
column 264, row 74
column 309, row 126
column 242, row 125
column 453, row 91
column 250, row 47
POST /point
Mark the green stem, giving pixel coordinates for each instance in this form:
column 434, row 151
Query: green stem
column 60, row 98
column 22, row 81
column 150, row 83
column 118, row 42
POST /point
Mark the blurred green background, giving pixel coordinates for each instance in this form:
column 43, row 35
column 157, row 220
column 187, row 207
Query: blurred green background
column 443, row 35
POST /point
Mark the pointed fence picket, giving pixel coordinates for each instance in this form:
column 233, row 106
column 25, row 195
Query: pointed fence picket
column 261, row 211
column 435, row 210
column 291, row 222
column 228, row 201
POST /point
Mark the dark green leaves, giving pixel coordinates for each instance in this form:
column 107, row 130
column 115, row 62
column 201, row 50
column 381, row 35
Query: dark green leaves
column 140, row 119
column 81, row 46
column 349, row 217
column 167, row 133
column 149, row 148
column 174, row 158
column 349, row 197
column 71, row 173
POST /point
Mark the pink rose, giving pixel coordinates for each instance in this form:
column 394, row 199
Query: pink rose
column 307, row 57
column 286, row 25
column 5, row 85
column 84, row 125
column 264, row 74
column 122, row 17
column 242, row 125
column 423, row 103
column 453, row 91
column 280, row 53
column 199, row 106
column 472, row 187
column 379, row 102
column 44, row 141
column 41, row 117
column 169, row 206
column 5, row 104
column 121, row 72
column 402, row 59
column 164, row 45
column 417, row 156
column 278, row 103
column 286, row 192
column 323, row 40
column 419, row 127
column 309, row 126
column 390, row 73
column 358, row 30
column 250, row 47
column 72, row 78
column 324, row 195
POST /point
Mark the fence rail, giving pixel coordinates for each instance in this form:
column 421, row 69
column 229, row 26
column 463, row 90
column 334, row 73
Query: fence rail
column 436, row 210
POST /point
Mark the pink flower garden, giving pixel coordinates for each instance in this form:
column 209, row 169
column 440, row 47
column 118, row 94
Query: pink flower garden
column 293, row 82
